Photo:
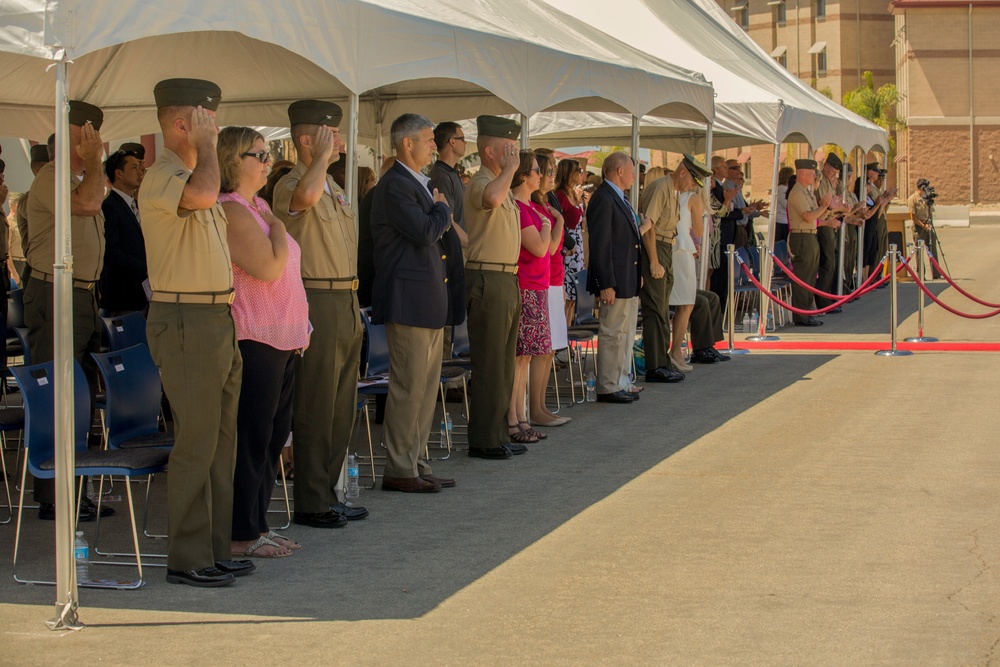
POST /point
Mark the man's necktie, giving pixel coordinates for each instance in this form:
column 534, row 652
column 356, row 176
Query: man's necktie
column 135, row 209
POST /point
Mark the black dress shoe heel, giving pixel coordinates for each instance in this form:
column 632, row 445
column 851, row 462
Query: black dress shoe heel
column 206, row 577
column 237, row 568
column 491, row 453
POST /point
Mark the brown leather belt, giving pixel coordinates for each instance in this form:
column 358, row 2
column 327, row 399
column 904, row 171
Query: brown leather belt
column 204, row 298
column 802, row 231
column 331, row 283
column 77, row 284
column 663, row 238
column 492, row 266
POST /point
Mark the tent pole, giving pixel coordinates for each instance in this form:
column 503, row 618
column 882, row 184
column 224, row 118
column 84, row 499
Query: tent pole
column 767, row 266
column 859, row 269
column 634, row 152
column 351, row 177
column 706, row 245
column 843, row 233
column 379, row 148
column 66, row 584
column 525, row 128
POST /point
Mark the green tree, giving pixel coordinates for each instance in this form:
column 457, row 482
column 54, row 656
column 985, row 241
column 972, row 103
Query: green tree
column 878, row 106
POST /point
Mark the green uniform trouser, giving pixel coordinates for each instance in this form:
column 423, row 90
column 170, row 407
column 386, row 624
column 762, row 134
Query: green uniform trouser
column 805, row 253
column 326, row 397
column 850, row 256
column 930, row 242
column 826, row 281
column 195, row 347
column 494, row 311
column 655, row 299
column 706, row 320
column 39, row 316
column 882, row 236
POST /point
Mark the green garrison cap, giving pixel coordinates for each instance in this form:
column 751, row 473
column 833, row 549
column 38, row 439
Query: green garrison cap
column 131, row 147
column 81, row 112
column 314, row 112
column 833, row 160
column 39, row 153
column 873, row 166
column 187, row 93
column 697, row 169
column 806, row 164
column 495, row 126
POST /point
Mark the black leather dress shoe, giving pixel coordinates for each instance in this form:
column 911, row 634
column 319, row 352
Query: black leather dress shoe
column 350, row 513
column 515, row 448
column 718, row 355
column 810, row 322
column 836, row 310
column 206, row 577
column 88, row 505
column 319, row 519
column 664, row 374
column 237, row 568
column 493, row 453
column 88, row 511
column 445, row 482
column 409, row 485
column 615, row 397
column 703, row 356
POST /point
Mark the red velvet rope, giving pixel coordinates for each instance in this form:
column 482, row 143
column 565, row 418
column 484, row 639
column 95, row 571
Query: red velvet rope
column 930, row 295
column 799, row 311
column 798, row 281
column 961, row 291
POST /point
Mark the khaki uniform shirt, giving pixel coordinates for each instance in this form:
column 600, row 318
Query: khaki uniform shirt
column 184, row 253
column 660, row 203
column 494, row 234
column 22, row 225
column 88, row 230
column 327, row 233
column 800, row 201
column 14, row 246
column 918, row 208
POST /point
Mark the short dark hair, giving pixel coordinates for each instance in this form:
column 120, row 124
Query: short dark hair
column 523, row 168
column 50, row 144
column 445, row 132
column 115, row 162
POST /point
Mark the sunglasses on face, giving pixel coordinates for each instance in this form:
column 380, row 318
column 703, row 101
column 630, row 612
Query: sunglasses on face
column 262, row 156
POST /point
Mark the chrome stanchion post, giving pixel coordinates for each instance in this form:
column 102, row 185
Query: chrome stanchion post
column 893, row 352
column 761, row 336
column 921, row 252
column 731, row 300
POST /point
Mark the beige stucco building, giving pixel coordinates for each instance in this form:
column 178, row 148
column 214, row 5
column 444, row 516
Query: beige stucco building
column 948, row 70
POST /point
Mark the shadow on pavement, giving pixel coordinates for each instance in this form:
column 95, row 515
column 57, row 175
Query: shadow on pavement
column 417, row 550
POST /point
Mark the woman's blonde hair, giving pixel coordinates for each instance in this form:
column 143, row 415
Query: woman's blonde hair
column 233, row 142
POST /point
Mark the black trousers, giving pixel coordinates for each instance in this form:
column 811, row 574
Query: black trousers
column 262, row 427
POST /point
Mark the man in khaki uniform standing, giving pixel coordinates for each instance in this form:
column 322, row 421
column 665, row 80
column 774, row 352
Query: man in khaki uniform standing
column 804, row 216
column 921, row 214
column 87, row 222
column 191, row 333
column 318, row 215
column 492, row 294
column 659, row 202
column 827, row 235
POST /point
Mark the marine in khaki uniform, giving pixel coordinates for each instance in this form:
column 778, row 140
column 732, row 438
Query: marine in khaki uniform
column 853, row 225
column 191, row 333
column 659, row 202
column 492, row 295
column 318, row 215
column 804, row 216
column 829, row 242
column 920, row 214
column 87, row 224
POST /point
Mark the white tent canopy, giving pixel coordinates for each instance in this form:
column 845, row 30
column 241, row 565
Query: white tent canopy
column 445, row 59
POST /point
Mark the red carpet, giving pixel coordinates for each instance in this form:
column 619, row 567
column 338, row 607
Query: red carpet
column 872, row 345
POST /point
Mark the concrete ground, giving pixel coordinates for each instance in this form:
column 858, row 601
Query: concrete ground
column 831, row 508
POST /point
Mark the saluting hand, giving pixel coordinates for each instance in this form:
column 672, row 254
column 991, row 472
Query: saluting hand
column 91, row 146
column 509, row 159
column 323, row 144
column 204, row 132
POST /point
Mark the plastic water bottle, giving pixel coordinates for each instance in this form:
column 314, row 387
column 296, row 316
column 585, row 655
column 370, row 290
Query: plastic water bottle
column 754, row 322
column 81, row 552
column 685, row 351
column 746, row 323
column 591, row 388
column 352, row 490
column 770, row 321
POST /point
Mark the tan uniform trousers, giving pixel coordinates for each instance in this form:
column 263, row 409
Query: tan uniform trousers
column 805, row 251
column 614, row 344
column 195, row 347
column 655, row 297
column 494, row 312
column 414, row 378
column 326, row 397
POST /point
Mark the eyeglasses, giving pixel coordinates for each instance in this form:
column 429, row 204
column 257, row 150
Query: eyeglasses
column 456, row 138
column 550, row 173
column 535, row 170
column 262, row 156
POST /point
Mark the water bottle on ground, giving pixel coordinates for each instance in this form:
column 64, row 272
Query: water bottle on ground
column 746, row 323
column 351, row 491
column 754, row 322
column 770, row 321
column 685, row 351
column 591, row 388
column 81, row 552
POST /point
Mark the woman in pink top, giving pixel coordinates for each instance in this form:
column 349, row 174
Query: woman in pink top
column 272, row 325
column 533, row 338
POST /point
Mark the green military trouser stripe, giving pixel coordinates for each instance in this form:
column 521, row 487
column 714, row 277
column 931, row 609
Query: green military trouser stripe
column 326, row 395
column 201, row 369
column 655, row 298
column 494, row 311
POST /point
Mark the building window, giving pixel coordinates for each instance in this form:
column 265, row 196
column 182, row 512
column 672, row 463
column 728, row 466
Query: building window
column 780, row 54
column 783, row 60
column 745, row 18
column 741, row 13
column 780, row 15
column 821, row 63
column 820, row 9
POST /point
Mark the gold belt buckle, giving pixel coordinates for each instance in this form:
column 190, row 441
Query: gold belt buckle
column 232, row 297
column 354, row 285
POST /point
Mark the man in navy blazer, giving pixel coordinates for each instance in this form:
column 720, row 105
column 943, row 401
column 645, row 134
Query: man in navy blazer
column 411, row 229
column 125, row 250
column 615, row 274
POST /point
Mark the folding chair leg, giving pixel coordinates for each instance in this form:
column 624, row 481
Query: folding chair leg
column 135, row 538
column 6, row 482
column 145, row 513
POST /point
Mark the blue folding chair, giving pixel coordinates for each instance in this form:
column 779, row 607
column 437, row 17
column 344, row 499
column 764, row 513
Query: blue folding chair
column 124, row 330
column 38, row 392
